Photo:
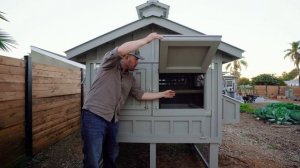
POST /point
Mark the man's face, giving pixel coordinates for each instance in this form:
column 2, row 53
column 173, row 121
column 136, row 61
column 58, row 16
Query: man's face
column 131, row 62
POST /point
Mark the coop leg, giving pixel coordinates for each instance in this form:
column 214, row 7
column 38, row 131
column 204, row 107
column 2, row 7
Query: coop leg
column 213, row 155
column 153, row 155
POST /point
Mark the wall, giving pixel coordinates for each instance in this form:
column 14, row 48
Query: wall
column 56, row 104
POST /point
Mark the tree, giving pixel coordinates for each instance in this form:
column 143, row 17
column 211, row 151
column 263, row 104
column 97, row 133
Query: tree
column 6, row 41
column 286, row 76
column 244, row 81
column 267, row 79
column 235, row 67
column 294, row 55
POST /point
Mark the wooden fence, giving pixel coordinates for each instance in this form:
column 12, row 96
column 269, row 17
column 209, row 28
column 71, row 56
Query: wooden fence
column 35, row 116
column 274, row 91
column 12, row 109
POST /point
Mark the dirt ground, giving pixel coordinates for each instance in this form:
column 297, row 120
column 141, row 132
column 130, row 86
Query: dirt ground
column 251, row 143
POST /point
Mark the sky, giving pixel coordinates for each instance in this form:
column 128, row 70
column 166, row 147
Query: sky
column 264, row 29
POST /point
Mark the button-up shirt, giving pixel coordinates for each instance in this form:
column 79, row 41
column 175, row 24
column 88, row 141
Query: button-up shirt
column 111, row 88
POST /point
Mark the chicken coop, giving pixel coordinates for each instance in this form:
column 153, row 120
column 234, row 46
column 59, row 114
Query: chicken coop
column 186, row 61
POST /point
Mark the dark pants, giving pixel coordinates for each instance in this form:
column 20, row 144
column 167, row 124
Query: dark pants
column 99, row 139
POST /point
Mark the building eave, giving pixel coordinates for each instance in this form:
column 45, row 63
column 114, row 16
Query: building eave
column 56, row 56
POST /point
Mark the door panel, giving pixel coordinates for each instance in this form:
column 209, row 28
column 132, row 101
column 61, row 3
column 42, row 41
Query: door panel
column 187, row 54
column 143, row 77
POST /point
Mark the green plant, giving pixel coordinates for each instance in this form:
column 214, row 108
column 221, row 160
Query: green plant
column 6, row 41
column 246, row 107
column 280, row 113
column 235, row 67
column 294, row 54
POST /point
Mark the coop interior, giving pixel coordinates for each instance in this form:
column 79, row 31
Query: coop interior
column 189, row 88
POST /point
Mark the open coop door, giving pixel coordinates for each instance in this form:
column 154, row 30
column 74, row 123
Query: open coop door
column 183, row 64
column 187, row 54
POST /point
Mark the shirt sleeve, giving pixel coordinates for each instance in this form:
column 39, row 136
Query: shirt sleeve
column 136, row 90
column 111, row 59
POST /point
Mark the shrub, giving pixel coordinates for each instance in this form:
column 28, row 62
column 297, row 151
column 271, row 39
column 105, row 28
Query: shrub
column 246, row 107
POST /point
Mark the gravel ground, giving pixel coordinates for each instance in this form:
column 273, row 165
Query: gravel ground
column 251, row 143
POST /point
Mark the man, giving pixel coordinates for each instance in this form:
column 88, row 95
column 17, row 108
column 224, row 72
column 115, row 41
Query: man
column 109, row 91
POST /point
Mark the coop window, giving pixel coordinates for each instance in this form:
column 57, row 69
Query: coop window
column 189, row 88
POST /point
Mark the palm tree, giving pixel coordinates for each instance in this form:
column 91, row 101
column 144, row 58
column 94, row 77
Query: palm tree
column 236, row 66
column 6, row 41
column 294, row 54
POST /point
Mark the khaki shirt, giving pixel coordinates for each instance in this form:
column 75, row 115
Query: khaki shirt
column 111, row 88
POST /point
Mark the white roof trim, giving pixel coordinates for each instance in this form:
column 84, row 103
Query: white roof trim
column 168, row 24
column 56, row 56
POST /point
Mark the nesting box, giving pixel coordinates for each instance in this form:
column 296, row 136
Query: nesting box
column 186, row 61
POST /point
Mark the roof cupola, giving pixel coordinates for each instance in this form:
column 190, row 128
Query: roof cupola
column 152, row 8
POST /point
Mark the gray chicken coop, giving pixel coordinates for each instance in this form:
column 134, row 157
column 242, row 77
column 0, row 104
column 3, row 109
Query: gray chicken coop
column 186, row 61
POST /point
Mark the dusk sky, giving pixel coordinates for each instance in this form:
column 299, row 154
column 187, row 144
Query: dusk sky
column 263, row 28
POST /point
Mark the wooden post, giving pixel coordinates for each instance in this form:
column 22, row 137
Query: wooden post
column 213, row 155
column 82, row 88
column 152, row 155
column 28, row 106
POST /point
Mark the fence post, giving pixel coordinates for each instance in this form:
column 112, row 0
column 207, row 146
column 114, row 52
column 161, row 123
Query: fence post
column 82, row 88
column 28, row 106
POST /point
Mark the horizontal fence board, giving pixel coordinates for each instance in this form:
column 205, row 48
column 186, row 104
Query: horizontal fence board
column 12, row 117
column 40, row 105
column 11, row 87
column 58, row 127
column 5, row 96
column 55, row 74
column 51, row 93
column 36, row 66
column 12, row 70
column 12, row 78
column 52, row 114
column 12, row 151
column 11, row 143
column 11, row 133
column 50, row 122
column 6, row 105
column 54, row 80
column 41, row 116
column 40, row 87
column 44, row 142
column 11, row 61
column 51, row 111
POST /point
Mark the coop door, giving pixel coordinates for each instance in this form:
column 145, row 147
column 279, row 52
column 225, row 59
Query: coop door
column 133, row 106
column 187, row 54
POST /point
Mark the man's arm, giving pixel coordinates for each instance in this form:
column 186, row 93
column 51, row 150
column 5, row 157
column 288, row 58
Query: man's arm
column 129, row 46
column 164, row 94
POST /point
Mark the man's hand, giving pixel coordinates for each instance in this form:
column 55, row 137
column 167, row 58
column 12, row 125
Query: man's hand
column 168, row 94
column 153, row 36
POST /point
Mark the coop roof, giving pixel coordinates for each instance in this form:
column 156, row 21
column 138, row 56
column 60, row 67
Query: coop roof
column 228, row 50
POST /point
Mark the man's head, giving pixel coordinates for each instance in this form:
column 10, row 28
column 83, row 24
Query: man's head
column 130, row 61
